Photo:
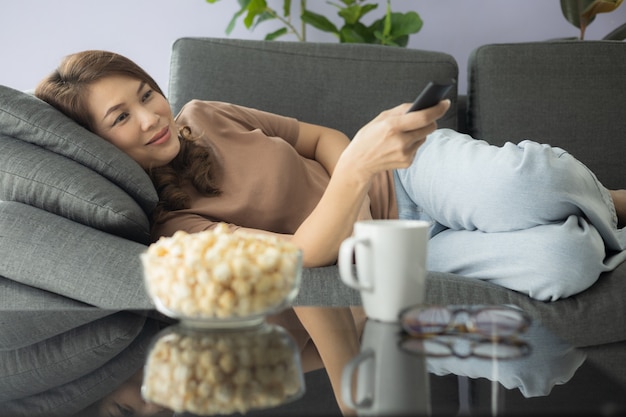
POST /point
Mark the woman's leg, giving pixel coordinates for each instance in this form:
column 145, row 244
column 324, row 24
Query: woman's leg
column 467, row 184
column 545, row 262
column 529, row 217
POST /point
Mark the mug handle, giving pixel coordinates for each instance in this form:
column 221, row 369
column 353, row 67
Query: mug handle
column 344, row 262
column 347, row 377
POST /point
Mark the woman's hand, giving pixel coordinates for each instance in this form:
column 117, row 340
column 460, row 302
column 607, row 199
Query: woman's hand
column 391, row 140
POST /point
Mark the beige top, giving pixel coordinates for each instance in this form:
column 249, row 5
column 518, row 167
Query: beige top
column 265, row 184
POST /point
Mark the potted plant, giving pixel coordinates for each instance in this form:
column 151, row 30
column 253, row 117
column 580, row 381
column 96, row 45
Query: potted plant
column 391, row 29
column 581, row 13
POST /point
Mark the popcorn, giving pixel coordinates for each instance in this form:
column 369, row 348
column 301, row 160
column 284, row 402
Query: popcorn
column 214, row 373
column 217, row 274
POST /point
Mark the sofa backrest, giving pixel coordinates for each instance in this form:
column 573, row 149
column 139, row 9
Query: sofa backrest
column 337, row 85
column 570, row 94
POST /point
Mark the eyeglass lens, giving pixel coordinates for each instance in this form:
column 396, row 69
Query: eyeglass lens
column 485, row 320
column 463, row 347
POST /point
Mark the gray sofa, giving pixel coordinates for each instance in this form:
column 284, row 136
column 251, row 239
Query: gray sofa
column 74, row 210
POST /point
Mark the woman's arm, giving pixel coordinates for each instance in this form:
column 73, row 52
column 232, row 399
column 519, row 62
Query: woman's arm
column 325, row 145
column 389, row 141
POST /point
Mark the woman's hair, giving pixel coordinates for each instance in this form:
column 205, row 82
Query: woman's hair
column 67, row 89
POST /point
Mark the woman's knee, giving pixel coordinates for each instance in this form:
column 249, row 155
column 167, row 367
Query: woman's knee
column 568, row 263
column 546, row 263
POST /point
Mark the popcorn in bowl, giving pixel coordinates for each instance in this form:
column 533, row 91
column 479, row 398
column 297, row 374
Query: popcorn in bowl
column 221, row 277
column 207, row 372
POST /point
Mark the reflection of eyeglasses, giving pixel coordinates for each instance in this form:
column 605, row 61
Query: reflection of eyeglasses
column 492, row 321
column 466, row 345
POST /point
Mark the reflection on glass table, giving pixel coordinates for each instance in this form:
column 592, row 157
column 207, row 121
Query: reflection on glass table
column 90, row 362
column 398, row 372
column 118, row 364
column 216, row 372
column 73, row 362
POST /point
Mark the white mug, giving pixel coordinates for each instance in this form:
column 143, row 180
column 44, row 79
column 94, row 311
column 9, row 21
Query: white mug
column 390, row 258
column 383, row 379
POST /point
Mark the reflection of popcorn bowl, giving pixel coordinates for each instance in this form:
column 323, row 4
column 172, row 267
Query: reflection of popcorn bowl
column 209, row 372
column 221, row 279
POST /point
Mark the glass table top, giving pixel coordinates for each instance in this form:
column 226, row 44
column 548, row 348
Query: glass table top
column 93, row 362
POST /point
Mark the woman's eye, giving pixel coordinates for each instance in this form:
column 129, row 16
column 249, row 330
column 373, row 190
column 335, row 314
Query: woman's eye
column 147, row 95
column 120, row 118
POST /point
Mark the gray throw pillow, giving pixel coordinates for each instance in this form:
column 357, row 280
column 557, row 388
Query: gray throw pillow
column 63, row 168
column 32, row 175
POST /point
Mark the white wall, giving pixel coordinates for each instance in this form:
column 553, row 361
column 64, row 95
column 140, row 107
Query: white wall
column 36, row 34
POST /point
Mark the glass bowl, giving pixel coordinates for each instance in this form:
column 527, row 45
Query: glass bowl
column 220, row 279
column 219, row 372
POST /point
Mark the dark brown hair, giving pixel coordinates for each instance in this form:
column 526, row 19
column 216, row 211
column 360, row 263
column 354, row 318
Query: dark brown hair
column 66, row 88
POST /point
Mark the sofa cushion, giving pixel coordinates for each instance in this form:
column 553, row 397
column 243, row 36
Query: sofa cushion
column 55, row 254
column 33, row 175
column 24, row 117
column 566, row 93
column 337, row 85
column 18, row 297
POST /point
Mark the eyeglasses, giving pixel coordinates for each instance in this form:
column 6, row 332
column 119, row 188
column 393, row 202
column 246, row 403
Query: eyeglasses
column 490, row 321
column 466, row 345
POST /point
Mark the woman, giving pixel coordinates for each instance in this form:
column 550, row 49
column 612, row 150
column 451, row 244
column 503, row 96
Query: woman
column 517, row 215
column 222, row 163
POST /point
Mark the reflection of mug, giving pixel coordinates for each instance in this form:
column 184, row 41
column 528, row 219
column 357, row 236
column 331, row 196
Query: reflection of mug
column 388, row 380
column 390, row 265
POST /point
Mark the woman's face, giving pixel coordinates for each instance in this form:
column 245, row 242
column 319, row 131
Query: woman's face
column 126, row 401
column 135, row 118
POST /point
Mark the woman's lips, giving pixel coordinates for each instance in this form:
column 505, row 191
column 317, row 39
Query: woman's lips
column 161, row 137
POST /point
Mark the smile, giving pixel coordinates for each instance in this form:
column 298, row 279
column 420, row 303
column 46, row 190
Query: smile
column 161, row 137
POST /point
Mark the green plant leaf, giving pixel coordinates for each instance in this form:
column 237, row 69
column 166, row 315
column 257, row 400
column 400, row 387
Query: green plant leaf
column 600, row 6
column 572, row 10
column 387, row 21
column 287, row 8
column 405, row 23
column 237, row 15
column 255, row 8
column 350, row 14
column 353, row 13
column 402, row 41
column 357, row 33
column 262, row 17
column 319, row 22
column 391, row 29
column 272, row 36
column 243, row 3
column 402, row 24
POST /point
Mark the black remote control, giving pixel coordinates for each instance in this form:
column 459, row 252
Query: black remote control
column 432, row 94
